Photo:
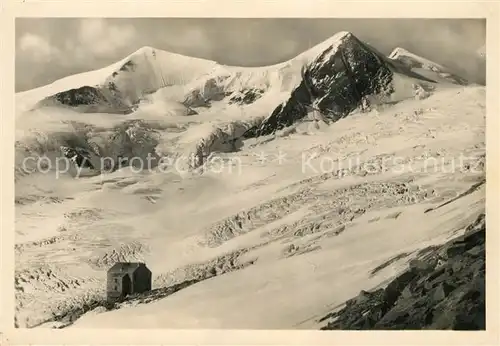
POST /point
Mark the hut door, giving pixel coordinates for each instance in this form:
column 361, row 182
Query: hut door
column 126, row 285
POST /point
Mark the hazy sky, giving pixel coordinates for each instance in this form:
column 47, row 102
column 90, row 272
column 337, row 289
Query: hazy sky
column 51, row 48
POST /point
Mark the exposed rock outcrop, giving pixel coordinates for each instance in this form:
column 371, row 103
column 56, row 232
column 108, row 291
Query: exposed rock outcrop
column 89, row 99
column 336, row 82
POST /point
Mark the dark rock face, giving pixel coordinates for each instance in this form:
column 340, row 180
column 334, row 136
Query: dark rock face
column 246, row 96
column 338, row 80
column 90, row 99
column 445, row 289
column 285, row 114
column 85, row 95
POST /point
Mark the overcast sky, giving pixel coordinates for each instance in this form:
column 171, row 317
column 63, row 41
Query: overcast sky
column 51, row 48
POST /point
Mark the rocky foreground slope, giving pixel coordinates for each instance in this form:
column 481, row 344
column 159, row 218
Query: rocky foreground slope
column 442, row 289
column 338, row 81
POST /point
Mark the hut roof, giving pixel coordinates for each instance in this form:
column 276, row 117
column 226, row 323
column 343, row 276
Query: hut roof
column 121, row 267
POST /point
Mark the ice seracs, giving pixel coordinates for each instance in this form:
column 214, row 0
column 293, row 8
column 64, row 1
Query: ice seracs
column 426, row 67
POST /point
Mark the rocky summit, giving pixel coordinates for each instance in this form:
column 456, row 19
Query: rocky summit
column 337, row 82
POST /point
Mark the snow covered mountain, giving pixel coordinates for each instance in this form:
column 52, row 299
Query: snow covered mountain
column 337, row 82
column 295, row 196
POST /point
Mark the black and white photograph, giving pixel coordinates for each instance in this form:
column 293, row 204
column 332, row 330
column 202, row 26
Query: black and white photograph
column 250, row 173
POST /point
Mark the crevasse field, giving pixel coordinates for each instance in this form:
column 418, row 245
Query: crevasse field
column 271, row 232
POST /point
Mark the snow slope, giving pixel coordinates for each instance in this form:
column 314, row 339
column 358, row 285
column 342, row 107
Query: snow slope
column 190, row 80
column 425, row 67
column 268, row 232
